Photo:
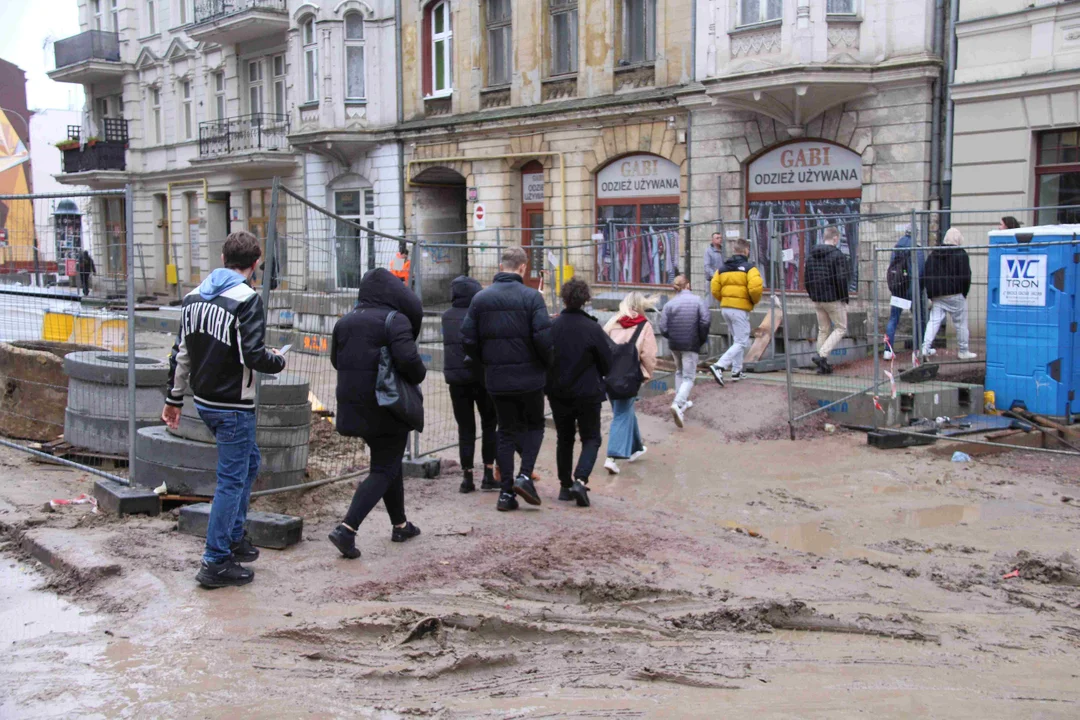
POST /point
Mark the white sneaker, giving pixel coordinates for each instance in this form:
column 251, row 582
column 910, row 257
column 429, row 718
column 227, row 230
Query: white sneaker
column 689, row 404
column 887, row 355
column 928, row 353
column 611, row 467
column 718, row 374
column 638, row 454
column 966, row 355
column 677, row 414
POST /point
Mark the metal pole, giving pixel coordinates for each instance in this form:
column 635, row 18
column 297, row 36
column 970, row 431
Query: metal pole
column 370, row 250
column 916, row 288
column 614, row 257
column 268, row 269
column 417, row 265
column 129, row 222
column 877, row 316
column 787, row 341
column 776, row 261
column 686, row 251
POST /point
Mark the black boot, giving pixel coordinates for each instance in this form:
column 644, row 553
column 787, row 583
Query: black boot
column 227, row 573
column 344, row 540
column 488, row 483
column 467, row 485
column 401, row 534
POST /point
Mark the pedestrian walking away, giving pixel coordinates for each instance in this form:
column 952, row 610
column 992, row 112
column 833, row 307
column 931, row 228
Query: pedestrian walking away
column 947, row 283
column 628, row 328
column 900, row 278
column 468, row 395
column 828, row 274
column 387, row 315
column 221, row 316
column 85, row 267
column 738, row 287
column 575, row 389
column 684, row 321
column 714, row 257
column 508, row 331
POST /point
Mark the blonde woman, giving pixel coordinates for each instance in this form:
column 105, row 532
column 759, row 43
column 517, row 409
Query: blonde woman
column 624, row 438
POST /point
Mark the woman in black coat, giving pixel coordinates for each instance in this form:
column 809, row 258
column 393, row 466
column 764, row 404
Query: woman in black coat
column 466, row 380
column 354, row 352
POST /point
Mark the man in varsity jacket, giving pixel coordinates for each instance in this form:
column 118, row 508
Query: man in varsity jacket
column 218, row 350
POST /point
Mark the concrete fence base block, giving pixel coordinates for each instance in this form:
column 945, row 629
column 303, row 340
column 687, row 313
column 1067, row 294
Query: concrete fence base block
column 422, row 468
column 120, row 499
column 268, row 530
column 202, row 482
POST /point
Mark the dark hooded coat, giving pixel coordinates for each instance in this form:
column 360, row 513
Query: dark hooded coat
column 458, row 367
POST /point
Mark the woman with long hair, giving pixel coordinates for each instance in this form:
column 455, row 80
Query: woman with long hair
column 624, row 437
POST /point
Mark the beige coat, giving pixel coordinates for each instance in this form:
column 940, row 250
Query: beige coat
column 646, row 344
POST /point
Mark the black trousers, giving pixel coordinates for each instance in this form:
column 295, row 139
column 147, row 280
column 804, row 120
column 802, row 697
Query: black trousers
column 572, row 417
column 521, row 428
column 464, row 398
column 84, row 280
column 384, row 482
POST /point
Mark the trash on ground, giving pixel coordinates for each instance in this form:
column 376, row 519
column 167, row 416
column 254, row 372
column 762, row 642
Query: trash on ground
column 960, row 457
column 1009, row 576
column 82, row 499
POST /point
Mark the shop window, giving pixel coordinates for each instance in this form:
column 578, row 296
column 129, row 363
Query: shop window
column 499, row 42
column 1057, row 176
column 638, row 32
column 438, row 50
column 354, row 57
column 752, row 12
column 637, row 212
column 564, row 36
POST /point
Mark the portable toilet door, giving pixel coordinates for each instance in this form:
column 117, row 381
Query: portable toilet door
column 1032, row 310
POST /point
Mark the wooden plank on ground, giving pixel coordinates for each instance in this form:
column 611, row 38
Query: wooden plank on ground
column 765, row 331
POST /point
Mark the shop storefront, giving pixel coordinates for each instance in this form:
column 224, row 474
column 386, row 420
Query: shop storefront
column 637, row 212
column 805, row 186
column 532, row 219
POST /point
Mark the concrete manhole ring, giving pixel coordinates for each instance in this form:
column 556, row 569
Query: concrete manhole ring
column 111, row 368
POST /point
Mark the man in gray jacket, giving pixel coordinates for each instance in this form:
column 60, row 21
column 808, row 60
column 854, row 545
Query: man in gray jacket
column 714, row 260
column 685, row 322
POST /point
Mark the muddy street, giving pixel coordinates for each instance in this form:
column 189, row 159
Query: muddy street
column 729, row 569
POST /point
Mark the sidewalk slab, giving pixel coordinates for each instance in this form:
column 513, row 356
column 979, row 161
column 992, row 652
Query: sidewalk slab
column 67, row 552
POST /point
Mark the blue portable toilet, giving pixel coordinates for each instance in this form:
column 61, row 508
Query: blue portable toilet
column 1032, row 309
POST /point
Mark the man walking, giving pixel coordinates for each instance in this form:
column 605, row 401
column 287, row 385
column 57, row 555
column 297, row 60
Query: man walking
column 714, row 257
column 684, row 321
column 738, row 287
column 218, row 350
column 86, row 268
column 899, row 278
column 828, row 274
column 507, row 329
column 948, row 282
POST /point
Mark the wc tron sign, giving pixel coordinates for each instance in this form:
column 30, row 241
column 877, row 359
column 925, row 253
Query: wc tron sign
column 1023, row 280
column 805, row 167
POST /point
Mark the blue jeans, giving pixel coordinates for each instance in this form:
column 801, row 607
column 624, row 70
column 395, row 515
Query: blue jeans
column 894, row 322
column 624, row 438
column 237, row 468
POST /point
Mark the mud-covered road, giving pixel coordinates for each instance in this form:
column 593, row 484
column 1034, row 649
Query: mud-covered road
column 728, row 571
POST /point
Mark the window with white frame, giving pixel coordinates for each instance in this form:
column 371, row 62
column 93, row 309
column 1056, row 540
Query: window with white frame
column 354, row 57
column 155, row 115
column 101, row 111
column 759, row 11
column 219, row 95
column 99, row 19
column 499, row 42
column 442, row 38
column 151, row 17
column 351, row 242
column 311, row 61
column 564, row 36
column 256, row 92
column 639, row 31
column 114, row 15
column 187, row 118
column 183, row 11
column 840, row 7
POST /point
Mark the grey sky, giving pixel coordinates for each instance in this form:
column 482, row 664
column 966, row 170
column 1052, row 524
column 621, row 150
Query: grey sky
column 25, row 27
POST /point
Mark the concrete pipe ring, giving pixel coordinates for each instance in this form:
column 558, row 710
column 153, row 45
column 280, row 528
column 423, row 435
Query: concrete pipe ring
column 112, row 368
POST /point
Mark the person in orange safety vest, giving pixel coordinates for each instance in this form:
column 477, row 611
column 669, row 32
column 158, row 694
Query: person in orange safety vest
column 399, row 266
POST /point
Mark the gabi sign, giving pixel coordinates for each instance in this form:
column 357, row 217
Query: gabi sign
column 805, row 167
column 637, row 176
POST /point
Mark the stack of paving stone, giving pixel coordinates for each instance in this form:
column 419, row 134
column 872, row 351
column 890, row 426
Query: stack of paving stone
column 96, row 418
column 185, row 459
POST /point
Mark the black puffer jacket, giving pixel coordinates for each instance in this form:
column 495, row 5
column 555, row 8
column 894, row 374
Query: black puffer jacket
column 828, row 273
column 582, row 357
column 354, row 353
column 459, row 368
column 947, row 272
column 507, row 328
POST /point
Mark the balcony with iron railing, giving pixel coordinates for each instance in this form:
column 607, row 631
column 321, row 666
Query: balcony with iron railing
column 96, row 154
column 232, row 21
column 89, row 57
column 236, row 139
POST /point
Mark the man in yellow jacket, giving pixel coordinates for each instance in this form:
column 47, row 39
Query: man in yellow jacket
column 737, row 286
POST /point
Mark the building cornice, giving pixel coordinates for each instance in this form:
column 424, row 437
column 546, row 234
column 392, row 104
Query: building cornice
column 1018, row 19
column 1035, row 84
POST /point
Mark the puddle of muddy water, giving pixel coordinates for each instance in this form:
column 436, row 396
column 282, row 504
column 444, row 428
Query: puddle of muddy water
column 807, row 537
column 945, row 515
column 27, row 613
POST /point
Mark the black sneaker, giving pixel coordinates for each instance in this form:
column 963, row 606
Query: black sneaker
column 467, row 485
column 524, row 487
column 564, row 494
column 506, row 502
column 404, row 533
column 224, row 574
column 823, row 366
column 244, row 551
column 488, row 483
column 737, row 376
column 344, row 540
column 580, row 492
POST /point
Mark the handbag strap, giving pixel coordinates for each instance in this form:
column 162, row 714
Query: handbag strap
column 386, row 326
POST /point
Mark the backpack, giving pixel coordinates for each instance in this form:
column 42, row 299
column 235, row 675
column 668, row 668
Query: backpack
column 898, row 276
column 625, row 378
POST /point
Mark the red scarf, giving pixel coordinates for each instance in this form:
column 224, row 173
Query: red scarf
column 628, row 322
